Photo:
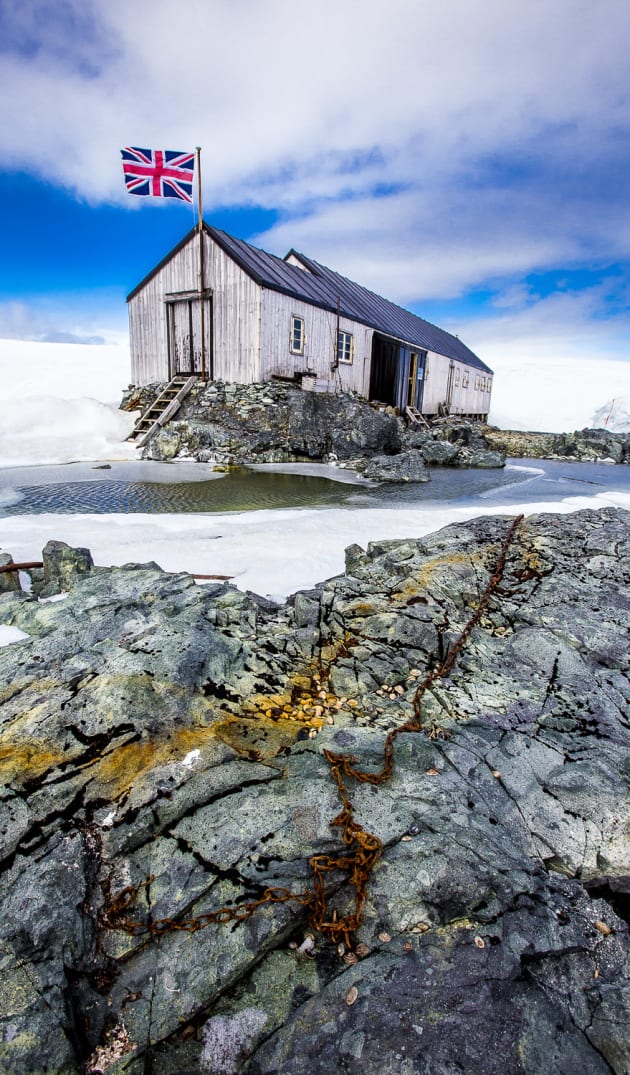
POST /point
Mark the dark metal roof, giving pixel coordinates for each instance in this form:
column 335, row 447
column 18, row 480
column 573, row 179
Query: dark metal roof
column 322, row 287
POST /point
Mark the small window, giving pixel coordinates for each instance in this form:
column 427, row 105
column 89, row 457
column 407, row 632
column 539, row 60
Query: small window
column 482, row 384
column 489, row 384
column 477, row 381
column 344, row 346
column 465, row 379
column 457, row 375
column 296, row 342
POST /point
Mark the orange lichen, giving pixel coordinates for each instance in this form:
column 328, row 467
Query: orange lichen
column 421, row 578
column 27, row 760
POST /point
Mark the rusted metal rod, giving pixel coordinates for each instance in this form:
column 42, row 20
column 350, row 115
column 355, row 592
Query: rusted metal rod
column 21, row 567
column 221, row 578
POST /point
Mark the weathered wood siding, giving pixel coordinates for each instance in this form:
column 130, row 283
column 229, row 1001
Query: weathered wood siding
column 320, row 350
column 236, row 302
column 470, row 388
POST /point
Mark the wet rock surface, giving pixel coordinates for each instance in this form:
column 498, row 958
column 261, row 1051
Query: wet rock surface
column 162, row 756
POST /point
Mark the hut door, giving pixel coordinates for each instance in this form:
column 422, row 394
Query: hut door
column 416, row 379
column 185, row 334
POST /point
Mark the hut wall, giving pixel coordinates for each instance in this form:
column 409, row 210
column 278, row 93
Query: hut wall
column 470, row 388
column 320, row 327
column 236, row 302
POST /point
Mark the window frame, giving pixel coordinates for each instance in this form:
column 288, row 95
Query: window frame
column 345, row 347
column 295, row 318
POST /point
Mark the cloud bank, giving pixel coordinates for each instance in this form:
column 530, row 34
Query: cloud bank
column 434, row 151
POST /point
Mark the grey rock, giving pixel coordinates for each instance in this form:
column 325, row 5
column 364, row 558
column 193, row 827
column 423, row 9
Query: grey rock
column 585, row 445
column 407, row 466
column 455, row 442
column 163, row 750
column 439, row 452
column 9, row 580
column 479, row 457
column 63, row 565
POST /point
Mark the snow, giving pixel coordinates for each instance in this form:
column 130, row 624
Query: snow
column 8, row 635
column 554, row 396
column 64, row 370
column 60, row 403
column 269, row 552
column 46, row 429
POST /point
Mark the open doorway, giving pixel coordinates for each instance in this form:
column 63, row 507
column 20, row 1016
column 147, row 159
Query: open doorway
column 396, row 374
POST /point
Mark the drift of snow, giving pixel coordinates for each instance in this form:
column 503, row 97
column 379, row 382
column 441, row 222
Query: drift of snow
column 60, row 403
column 31, row 368
column 614, row 415
column 45, row 429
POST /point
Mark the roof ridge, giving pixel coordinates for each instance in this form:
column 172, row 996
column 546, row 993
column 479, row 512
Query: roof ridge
column 375, row 294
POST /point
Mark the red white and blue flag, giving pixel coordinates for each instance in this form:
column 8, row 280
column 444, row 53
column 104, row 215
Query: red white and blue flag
column 159, row 173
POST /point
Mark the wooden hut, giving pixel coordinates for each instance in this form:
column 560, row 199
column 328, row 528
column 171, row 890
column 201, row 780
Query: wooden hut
column 220, row 308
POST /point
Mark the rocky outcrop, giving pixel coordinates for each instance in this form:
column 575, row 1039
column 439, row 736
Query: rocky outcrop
column 586, row 445
column 277, row 422
column 407, row 466
column 273, row 423
column 62, row 567
column 163, row 756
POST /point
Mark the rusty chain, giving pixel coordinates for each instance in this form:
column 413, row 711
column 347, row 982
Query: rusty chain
column 363, row 848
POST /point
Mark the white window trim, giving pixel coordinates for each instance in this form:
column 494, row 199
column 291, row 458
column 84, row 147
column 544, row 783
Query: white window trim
column 342, row 335
column 292, row 348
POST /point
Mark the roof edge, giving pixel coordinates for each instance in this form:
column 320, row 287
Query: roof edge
column 215, row 236
column 314, row 268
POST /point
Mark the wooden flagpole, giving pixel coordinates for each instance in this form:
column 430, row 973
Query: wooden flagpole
column 201, row 266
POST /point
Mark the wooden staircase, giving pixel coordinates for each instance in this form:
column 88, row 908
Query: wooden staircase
column 162, row 409
column 415, row 418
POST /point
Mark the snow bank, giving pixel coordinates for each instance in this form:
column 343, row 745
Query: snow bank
column 45, row 429
column 8, row 635
column 553, row 396
column 63, row 370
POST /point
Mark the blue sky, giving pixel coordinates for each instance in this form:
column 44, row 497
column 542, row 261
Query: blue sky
column 467, row 159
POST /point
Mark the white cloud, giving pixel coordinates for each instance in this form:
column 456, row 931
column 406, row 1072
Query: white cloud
column 270, row 85
column 67, row 320
column 423, row 149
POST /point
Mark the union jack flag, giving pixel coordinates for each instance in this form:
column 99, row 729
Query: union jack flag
column 160, row 173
